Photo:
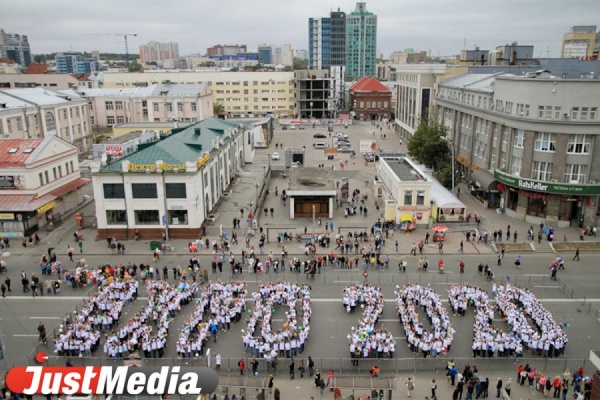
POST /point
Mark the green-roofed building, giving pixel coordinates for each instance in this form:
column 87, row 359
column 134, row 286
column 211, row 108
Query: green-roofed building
column 168, row 188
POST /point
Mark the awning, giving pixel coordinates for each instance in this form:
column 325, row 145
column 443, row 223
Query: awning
column 485, row 180
column 69, row 187
column 26, row 203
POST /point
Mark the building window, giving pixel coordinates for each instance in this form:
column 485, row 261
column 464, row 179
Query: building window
column 180, row 107
column 420, row 197
column 71, row 163
column 519, row 138
column 60, row 171
column 67, row 168
column 575, row 173
column 109, row 105
column 46, row 175
column 120, row 119
column 579, row 144
column 118, row 105
column 178, row 217
column 110, row 120
column 146, row 217
column 41, row 179
column 155, row 107
column 584, row 113
column 54, row 173
column 169, row 107
column 144, row 103
column 515, row 165
column 541, row 171
column 593, row 112
column 144, row 191
column 545, row 141
column 92, row 121
column 114, row 191
column 575, row 113
column 176, row 191
column 116, row 217
column 408, row 197
column 50, row 123
column 362, row 104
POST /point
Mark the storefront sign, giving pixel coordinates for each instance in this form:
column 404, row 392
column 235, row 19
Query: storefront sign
column 414, row 208
column 546, row 187
column 114, row 150
column 7, row 216
column 7, row 182
column 46, row 207
column 152, row 167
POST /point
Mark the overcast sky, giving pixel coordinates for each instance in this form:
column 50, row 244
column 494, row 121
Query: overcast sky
column 441, row 27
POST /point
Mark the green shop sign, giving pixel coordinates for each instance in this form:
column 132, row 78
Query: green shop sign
column 546, row 187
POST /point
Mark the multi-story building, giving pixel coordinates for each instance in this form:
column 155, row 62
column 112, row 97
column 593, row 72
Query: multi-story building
column 315, row 94
column 301, row 54
column 74, row 63
column 243, row 94
column 581, row 42
column 327, row 41
column 361, row 42
column 50, row 81
column 15, row 47
column 370, row 100
column 226, row 50
column 276, row 55
column 171, row 186
column 158, row 103
column 38, row 112
column 39, row 182
column 156, row 52
column 527, row 146
column 265, row 54
column 511, row 54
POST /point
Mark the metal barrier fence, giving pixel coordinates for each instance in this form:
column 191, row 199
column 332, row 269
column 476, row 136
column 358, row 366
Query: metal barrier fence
column 549, row 366
column 589, row 306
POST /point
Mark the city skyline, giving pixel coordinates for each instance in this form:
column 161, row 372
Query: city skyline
column 440, row 27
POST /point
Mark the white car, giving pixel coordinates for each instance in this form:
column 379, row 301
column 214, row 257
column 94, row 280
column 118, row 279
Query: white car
column 275, row 156
column 320, row 145
column 296, row 164
column 342, row 135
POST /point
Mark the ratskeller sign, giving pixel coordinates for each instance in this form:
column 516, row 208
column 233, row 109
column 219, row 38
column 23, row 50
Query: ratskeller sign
column 546, row 187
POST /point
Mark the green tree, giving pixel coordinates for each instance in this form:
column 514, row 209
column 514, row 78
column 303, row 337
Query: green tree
column 429, row 146
column 218, row 109
column 135, row 67
column 300, row 64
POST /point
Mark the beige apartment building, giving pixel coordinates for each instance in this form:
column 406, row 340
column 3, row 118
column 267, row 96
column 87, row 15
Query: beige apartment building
column 156, row 103
column 37, row 112
column 243, row 94
column 50, row 81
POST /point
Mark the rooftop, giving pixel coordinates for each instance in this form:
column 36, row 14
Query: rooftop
column 170, row 90
column 405, row 171
column 151, row 125
column 311, row 178
column 181, row 147
column 14, row 152
column 369, row 85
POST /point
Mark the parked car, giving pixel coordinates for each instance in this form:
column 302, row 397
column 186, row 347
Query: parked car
column 342, row 135
column 343, row 143
column 301, row 126
column 319, row 135
column 320, row 145
column 275, row 156
column 292, row 127
column 345, row 150
column 284, row 127
column 370, row 157
column 296, row 164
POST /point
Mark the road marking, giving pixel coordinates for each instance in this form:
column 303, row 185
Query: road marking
column 24, row 335
column 44, row 317
column 553, row 287
column 389, row 320
column 535, row 275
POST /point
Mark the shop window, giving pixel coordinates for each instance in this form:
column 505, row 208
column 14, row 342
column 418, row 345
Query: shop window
column 536, row 205
column 512, row 200
column 146, row 217
column 114, row 191
column 144, row 191
column 178, row 217
column 176, row 191
column 116, row 217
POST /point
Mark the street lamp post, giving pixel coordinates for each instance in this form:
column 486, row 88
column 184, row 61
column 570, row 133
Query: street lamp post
column 256, row 187
column 313, row 235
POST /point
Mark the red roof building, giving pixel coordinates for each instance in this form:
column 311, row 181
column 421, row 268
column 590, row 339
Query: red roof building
column 370, row 100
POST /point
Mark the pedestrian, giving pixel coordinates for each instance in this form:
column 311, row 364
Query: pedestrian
column 410, row 385
column 292, row 366
column 433, row 388
column 70, row 253
column 575, row 257
column 3, row 288
column 518, row 262
column 499, row 259
column 461, row 247
column 7, row 283
column 270, row 384
column 277, row 394
column 272, row 211
column 498, row 387
column 396, row 245
column 462, row 267
column 515, row 237
column 80, row 244
column 441, row 247
column 218, row 362
column 241, row 365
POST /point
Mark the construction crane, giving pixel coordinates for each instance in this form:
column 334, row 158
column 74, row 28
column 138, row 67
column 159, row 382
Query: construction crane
column 125, row 35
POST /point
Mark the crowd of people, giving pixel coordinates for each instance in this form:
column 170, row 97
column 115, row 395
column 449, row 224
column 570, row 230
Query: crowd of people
column 366, row 341
column 225, row 301
column 488, row 340
column 288, row 341
column 80, row 334
column 164, row 301
column 430, row 343
column 520, row 306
